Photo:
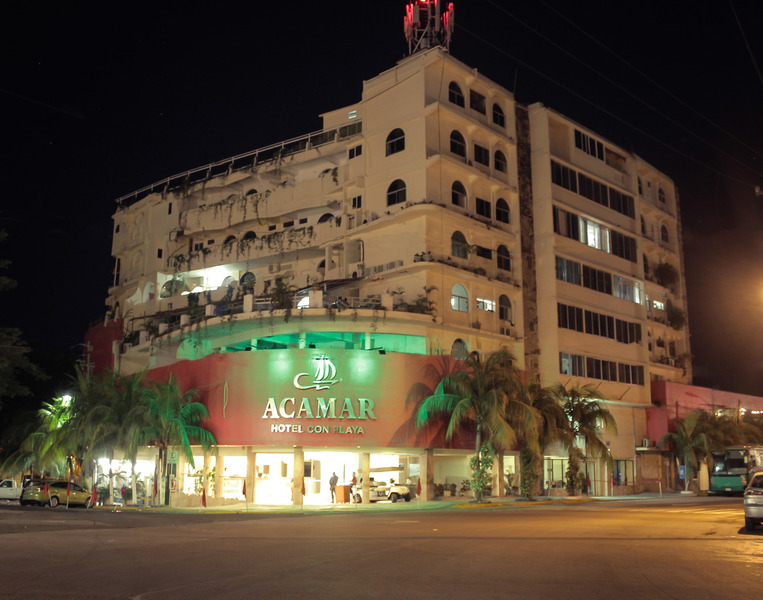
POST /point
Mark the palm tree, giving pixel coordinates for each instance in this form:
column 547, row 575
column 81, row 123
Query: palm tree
column 587, row 417
column 689, row 443
column 172, row 418
column 482, row 393
column 551, row 426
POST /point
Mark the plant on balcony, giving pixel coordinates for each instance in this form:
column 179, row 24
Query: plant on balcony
column 666, row 275
column 281, row 298
column 676, row 317
column 422, row 304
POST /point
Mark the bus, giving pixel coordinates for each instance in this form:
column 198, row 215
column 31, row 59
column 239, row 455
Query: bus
column 732, row 469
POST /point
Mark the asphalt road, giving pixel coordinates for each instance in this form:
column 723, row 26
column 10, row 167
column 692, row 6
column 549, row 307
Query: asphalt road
column 695, row 548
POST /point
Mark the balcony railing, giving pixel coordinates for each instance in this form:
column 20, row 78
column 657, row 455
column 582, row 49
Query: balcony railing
column 244, row 161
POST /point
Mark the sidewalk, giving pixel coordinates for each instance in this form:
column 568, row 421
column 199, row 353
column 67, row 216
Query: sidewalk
column 457, row 503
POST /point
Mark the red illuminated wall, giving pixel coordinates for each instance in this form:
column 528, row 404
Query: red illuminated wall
column 236, row 388
column 100, row 339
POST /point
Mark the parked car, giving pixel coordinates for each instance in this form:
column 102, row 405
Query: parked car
column 753, row 501
column 35, row 493
column 379, row 490
column 9, row 489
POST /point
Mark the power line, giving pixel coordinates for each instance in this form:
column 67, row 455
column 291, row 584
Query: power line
column 628, row 92
column 746, row 43
column 600, row 108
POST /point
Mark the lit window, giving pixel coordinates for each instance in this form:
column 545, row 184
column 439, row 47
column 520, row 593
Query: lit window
column 658, row 305
column 353, row 114
column 459, row 300
column 485, row 304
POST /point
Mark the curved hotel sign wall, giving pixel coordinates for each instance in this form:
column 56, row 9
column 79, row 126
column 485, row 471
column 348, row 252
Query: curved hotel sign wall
column 337, row 398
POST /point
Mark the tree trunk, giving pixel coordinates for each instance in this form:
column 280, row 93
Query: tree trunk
column 477, row 490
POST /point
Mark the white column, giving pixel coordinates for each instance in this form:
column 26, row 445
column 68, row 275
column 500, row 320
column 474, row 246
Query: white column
column 299, row 475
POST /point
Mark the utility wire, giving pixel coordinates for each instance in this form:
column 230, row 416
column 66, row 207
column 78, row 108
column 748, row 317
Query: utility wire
column 649, row 79
column 746, row 43
column 600, row 108
column 625, row 90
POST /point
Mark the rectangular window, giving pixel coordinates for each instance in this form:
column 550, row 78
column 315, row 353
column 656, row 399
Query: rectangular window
column 624, row 246
column 485, row 304
column 623, row 472
column 303, row 220
column 597, row 280
column 483, row 208
column 594, row 235
column 198, row 246
column 482, row 155
column 589, row 145
column 159, row 253
column 622, row 203
column 628, row 289
column 355, row 151
column 571, row 364
column 564, row 176
column 566, row 224
column 570, row 317
column 169, row 208
column 593, row 190
column 357, row 201
column 598, row 324
column 567, row 270
column 477, row 102
column 659, row 305
column 483, row 252
column 288, row 224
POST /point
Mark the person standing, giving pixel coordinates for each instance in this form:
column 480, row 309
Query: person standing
column 332, row 486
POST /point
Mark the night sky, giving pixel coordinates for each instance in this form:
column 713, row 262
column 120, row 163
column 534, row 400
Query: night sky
column 98, row 101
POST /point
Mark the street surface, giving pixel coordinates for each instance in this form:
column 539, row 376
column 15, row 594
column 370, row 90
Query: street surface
column 672, row 549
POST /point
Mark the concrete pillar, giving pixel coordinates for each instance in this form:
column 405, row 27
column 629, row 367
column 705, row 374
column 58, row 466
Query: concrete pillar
column 316, row 298
column 427, row 474
column 299, row 475
column 251, row 473
column 499, row 483
column 207, row 469
column 367, row 341
column 248, row 303
column 219, row 470
column 302, row 340
column 365, row 468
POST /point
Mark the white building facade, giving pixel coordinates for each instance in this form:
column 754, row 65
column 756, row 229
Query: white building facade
column 431, row 218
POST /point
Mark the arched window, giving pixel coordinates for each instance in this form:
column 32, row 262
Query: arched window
column 505, row 312
column 229, row 240
column 499, row 160
column 455, row 95
column 396, row 192
column 661, row 195
column 498, row 117
column 502, row 213
column 459, row 299
column 250, row 193
column 247, row 281
column 395, row 141
column 458, row 350
column 249, row 235
column 325, row 217
column 664, row 234
column 457, row 143
column 458, row 245
column 504, row 258
column 458, row 194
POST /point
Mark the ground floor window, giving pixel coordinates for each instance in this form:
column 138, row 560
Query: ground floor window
column 623, row 473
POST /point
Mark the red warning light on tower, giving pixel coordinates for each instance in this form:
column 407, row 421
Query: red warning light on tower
column 426, row 26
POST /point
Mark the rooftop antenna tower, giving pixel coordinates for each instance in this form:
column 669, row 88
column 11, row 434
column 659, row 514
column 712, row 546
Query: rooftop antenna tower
column 427, row 25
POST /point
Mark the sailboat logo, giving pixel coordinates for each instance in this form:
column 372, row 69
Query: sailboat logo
column 325, row 373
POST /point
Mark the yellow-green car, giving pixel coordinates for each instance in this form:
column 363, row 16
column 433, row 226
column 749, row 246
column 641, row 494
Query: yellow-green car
column 35, row 492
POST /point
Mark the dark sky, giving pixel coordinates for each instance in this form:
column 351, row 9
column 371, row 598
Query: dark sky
column 96, row 102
